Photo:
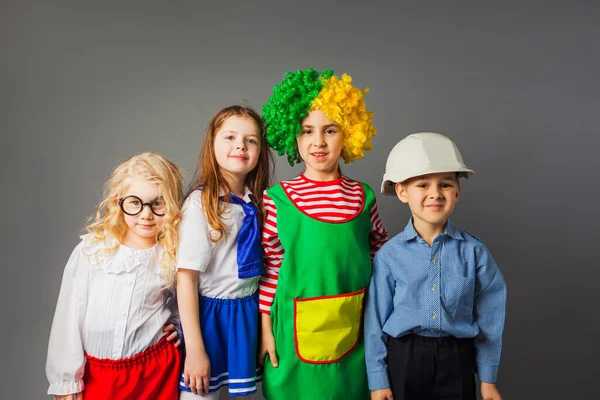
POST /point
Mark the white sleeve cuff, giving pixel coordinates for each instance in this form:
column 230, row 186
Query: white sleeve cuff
column 66, row 387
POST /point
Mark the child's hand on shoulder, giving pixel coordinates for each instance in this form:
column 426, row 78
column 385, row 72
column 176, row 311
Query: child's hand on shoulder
column 489, row 391
column 382, row 394
column 174, row 335
column 196, row 372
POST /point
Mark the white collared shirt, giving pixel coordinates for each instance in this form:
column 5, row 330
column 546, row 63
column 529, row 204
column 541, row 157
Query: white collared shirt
column 216, row 262
column 110, row 306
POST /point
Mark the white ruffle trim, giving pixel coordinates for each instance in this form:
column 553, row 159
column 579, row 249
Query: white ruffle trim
column 66, row 387
column 124, row 259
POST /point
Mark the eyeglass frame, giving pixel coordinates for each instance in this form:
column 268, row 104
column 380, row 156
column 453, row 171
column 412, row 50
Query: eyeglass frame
column 149, row 204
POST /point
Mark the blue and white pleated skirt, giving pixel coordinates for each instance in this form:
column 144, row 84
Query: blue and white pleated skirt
column 230, row 332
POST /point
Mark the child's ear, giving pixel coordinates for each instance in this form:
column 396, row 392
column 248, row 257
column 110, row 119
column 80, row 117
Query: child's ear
column 401, row 192
column 457, row 192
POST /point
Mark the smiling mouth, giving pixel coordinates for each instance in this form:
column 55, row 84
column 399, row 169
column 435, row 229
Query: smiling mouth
column 319, row 154
column 238, row 158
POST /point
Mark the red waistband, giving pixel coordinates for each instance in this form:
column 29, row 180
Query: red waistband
column 137, row 359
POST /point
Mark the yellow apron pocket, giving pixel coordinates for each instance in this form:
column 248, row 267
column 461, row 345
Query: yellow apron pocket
column 326, row 328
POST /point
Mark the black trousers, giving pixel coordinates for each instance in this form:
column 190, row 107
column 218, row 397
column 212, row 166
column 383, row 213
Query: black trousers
column 427, row 368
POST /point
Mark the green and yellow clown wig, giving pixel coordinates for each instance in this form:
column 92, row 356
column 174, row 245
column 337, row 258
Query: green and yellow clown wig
column 301, row 92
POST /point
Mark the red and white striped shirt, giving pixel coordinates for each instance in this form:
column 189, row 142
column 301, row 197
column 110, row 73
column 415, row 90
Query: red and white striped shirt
column 334, row 201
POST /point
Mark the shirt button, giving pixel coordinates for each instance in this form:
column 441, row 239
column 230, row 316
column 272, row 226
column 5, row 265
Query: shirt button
column 434, row 316
column 123, row 314
column 433, row 287
column 434, row 260
column 130, row 283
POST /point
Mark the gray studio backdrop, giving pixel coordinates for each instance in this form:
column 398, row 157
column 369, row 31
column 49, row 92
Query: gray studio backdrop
column 515, row 84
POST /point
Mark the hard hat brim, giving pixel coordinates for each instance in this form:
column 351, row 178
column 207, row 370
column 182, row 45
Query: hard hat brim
column 390, row 179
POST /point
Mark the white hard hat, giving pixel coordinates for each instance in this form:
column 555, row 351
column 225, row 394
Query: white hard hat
column 421, row 154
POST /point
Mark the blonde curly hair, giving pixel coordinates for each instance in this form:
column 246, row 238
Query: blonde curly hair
column 108, row 223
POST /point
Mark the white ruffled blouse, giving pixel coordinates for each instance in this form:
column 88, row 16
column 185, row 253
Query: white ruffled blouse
column 110, row 306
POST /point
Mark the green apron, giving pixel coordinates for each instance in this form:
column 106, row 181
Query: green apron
column 318, row 306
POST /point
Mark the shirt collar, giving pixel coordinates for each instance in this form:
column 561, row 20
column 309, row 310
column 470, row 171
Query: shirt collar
column 409, row 232
column 247, row 195
column 452, row 231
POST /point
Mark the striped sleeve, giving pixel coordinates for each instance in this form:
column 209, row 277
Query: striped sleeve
column 273, row 255
column 378, row 235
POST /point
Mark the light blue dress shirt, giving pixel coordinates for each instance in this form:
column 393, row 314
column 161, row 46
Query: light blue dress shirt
column 453, row 287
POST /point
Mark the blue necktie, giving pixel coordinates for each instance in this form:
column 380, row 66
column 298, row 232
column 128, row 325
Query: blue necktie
column 249, row 250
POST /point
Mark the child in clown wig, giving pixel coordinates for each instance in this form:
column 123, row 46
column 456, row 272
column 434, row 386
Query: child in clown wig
column 116, row 301
column 321, row 232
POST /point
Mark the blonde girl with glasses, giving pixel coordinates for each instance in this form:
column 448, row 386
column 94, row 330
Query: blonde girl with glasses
column 113, row 334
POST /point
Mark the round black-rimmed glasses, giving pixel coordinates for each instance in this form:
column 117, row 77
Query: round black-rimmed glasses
column 133, row 205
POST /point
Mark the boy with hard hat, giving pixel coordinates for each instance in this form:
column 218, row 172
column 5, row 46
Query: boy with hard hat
column 436, row 302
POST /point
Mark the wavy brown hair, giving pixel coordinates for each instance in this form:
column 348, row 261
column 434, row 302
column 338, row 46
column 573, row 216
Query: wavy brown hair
column 108, row 223
column 209, row 176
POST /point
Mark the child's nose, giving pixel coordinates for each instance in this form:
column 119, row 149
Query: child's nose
column 241, row 145
column 319, row 139
column 435, row 193
column 146, row 212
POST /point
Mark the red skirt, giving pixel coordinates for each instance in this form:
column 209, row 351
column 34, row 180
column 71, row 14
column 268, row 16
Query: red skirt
column 151, row 374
